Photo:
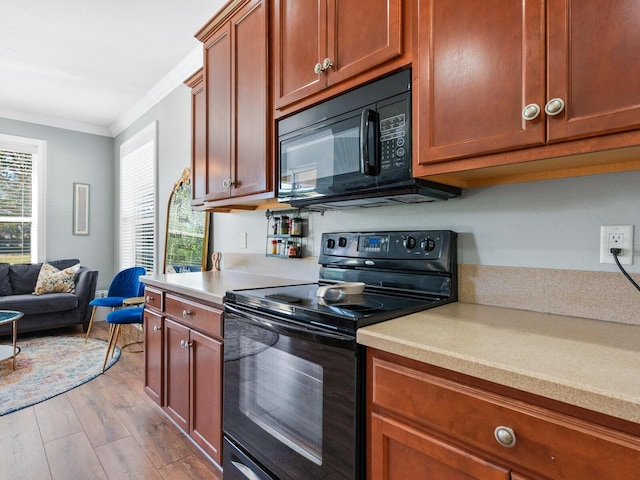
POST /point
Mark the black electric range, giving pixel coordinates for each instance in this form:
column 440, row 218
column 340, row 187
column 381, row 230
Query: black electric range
column 403, row 273
column 294, row 375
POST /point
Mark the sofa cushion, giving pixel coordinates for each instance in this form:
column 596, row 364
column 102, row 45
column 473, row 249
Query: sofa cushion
column 5, row 285
column 52, row 280
column 34, row 304
column 23, row 278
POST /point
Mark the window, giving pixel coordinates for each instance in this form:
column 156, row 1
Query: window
column 138, row 201
column 21, row 199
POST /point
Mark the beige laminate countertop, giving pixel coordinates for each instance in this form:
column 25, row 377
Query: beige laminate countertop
column 211, row 286
column 588, row 363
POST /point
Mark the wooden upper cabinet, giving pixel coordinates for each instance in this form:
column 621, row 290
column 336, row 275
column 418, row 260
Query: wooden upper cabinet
column 484, row 73
column 475, row 64
column 217, row 77
column 299, row 27
column 249, row 171
column 237, row 102
column 198, row 138
column 594, row 66
column 321, row 43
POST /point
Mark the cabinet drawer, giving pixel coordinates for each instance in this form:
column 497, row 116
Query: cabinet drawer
column 195, row 315
column 153, row 298
column 552, row 444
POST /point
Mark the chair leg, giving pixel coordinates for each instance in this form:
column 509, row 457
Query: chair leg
column 93, row 314
column 115, row 343
column 114, row 330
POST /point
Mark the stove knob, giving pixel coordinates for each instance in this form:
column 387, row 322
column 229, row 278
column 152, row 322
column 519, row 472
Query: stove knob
column 409, row 243
column 342, row 242
column 331, row 243
column 428, row 244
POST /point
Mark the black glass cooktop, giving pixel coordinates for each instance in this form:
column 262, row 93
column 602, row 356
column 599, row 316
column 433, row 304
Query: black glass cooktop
column 340, row 312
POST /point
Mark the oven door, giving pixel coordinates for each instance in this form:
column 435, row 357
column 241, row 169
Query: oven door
column 291, row 397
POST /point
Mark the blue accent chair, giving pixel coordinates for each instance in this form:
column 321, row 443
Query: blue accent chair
column 116, row 318
column 126, row 284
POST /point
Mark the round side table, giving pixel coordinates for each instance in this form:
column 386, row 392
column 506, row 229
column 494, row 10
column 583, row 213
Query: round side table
column 6, row 351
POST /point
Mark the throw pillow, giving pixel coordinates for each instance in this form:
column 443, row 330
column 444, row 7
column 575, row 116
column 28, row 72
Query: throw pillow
column 52, row 280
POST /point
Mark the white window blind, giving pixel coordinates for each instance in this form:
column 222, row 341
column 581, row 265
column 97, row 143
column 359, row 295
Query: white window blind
column 138, row 205
column 16, row 205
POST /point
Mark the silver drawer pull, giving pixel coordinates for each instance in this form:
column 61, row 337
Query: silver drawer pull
column 505, row 436
column 186, row 313
column 156, row 329
column 149, row 299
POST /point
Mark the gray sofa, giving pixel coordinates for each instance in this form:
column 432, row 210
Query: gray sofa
column 49, row 310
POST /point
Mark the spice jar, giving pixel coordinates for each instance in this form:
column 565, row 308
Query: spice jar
column 296, row 226
column 275, row 225
column 274, row 247
column 284, row 225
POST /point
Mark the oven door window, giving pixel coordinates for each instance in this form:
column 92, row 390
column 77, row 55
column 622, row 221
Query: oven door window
column 282, row 394
column 289, row 400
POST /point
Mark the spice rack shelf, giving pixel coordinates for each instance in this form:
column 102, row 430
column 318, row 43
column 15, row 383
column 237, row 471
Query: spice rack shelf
column 285, row 234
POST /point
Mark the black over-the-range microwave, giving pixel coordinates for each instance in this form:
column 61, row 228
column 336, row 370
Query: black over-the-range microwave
column 354, row 150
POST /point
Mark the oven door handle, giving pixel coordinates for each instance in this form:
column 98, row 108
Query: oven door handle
column 277, row 326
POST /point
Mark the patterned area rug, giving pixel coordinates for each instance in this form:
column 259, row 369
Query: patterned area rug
column 49, row 366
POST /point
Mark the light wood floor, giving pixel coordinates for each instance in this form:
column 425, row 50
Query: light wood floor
column 105, row 429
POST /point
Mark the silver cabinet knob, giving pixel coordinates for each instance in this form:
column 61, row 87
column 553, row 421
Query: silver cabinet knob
column 531, row 111
column 186, row 313
column 554, row 106
column 181, row 343
column 156, row 329
column 505, row 436
column 185, row 344
column 149, row 299
column 227, row 183
column 327, row 64
column 318, row 68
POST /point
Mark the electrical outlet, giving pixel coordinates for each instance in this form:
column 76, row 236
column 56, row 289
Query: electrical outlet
column 616, row 236
column 243, row 240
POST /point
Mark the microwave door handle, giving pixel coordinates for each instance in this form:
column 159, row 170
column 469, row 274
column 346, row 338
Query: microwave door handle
column 369, row 143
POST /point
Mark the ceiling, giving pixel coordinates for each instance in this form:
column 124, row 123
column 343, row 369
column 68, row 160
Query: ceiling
column 95, row 65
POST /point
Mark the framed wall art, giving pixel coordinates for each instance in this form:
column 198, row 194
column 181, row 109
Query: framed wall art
column 81, row 209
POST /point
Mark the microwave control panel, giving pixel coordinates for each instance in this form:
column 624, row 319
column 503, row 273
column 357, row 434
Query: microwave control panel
column 394, row 141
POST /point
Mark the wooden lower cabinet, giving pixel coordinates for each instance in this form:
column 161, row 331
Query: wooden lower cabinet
column 401, row 452
column 153, row 362
column 183, row 367
column 425, row 422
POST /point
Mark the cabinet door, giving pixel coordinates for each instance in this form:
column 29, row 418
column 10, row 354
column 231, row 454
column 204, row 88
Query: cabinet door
column 206, row 394
column 299, row 29
column 594, row 66
column 217, row 77
column 250, row 87
column 153, row 358
column 176, row 373
column 399, row 451
column 476, row 65
column 198, row 143
column 361, row 35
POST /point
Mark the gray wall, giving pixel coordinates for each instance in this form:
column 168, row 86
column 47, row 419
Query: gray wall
column 549, row 224
column 173, row 116
column 75, row 157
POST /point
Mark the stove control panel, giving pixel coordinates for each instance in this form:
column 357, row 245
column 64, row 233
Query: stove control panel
column 379, row 248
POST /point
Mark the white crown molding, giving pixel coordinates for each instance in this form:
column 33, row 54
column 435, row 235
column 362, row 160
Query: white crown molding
column 54, row 122
column 187, row 67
